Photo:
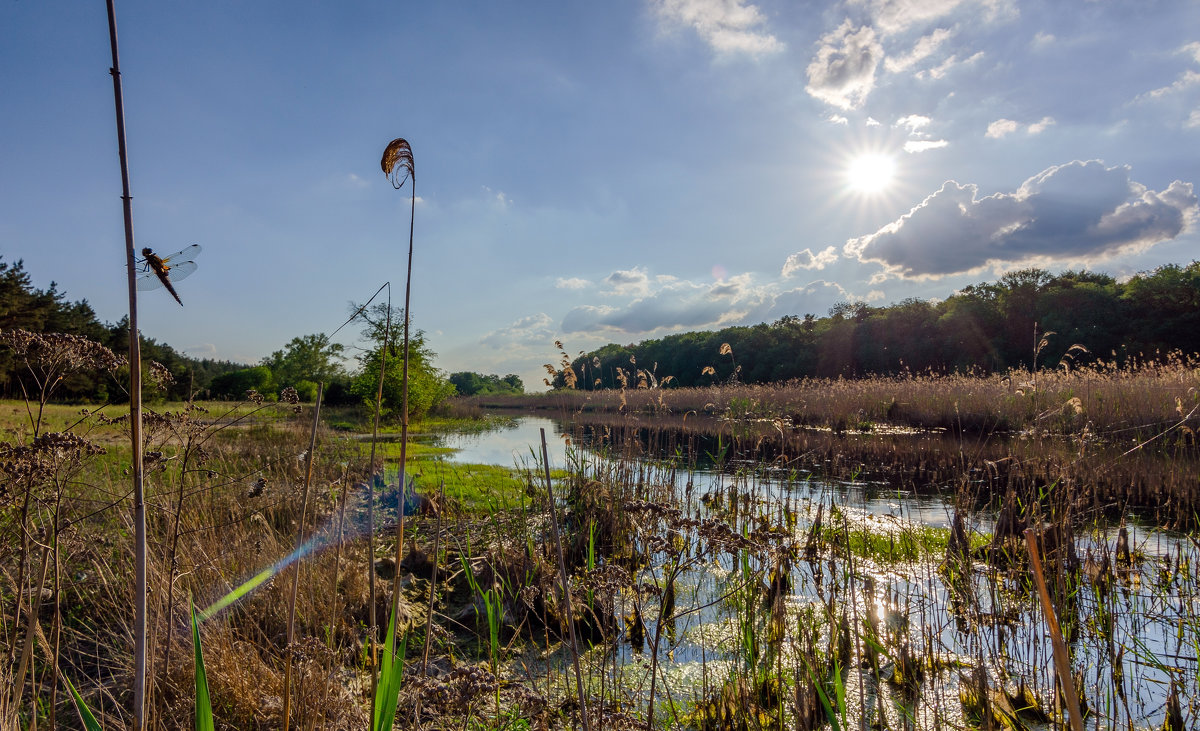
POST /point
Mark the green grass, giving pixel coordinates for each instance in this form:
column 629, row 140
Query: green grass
column 474, row 486
column 907, row 544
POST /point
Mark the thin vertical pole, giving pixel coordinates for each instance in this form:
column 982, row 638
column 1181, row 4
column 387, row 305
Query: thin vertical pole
column 135, row 399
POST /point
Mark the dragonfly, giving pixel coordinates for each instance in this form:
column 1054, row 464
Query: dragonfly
column 161, row 271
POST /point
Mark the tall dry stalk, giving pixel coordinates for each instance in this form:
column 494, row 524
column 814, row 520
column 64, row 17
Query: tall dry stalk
column 566, row 589
column 291, row 623
column 135, row 399
column 372, row 626
column 398, row 166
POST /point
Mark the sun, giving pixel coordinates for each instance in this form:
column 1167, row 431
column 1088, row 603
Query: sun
column 871, row 172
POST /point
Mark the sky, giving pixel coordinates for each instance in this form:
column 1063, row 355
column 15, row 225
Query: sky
column 590, row 172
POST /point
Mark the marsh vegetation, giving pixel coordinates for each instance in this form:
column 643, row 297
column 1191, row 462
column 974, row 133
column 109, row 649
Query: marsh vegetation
column 834, row 554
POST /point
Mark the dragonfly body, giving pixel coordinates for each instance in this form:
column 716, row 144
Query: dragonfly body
column 160, row 271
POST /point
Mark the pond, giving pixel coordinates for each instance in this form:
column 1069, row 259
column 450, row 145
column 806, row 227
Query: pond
column 1133, row 632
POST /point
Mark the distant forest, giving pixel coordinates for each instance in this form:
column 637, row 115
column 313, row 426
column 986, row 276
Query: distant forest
column 47, row 311
column 986, row 327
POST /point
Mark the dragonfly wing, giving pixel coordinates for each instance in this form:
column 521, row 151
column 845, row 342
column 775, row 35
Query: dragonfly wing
column 181, row 270
column 149, row 280
column 181, row 255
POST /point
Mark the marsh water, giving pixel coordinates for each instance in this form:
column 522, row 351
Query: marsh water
column 1137, row 628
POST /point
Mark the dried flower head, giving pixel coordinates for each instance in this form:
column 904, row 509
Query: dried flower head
column 289, row 396
column 160, row 375
column 255, row 396
column 397, row 163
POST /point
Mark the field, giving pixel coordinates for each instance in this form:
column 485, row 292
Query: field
column 902, row 553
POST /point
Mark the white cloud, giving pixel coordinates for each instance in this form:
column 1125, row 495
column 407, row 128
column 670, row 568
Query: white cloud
column 914, row 122
column 1002, row 128
column 1040, row 126
column 628, row 282
column 679, row 305
column 730, row 27
column 843, row 71
column 806, row 259
column 1080, row 212
column 1188, row 79
column 914, row 146
column 838, row 119
column 1193, row 119
column 571, row 283
column 893, row 16
column 497, row 197
column 940, row 71
column 872, row 122
column 532, row 330
column 874, row 295
column 924, row 48
column 204, row 350
column 1043, row 40
column 1193, row 50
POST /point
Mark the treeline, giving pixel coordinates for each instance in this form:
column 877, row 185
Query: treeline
column 469, row 383
column 301, row 364
column 986, row 327
column 24, row 307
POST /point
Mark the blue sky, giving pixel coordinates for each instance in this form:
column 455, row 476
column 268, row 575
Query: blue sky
column 591, row 172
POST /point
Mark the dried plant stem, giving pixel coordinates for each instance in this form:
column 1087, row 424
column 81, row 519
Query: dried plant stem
column 1062, row 660
column 135, row 400
column 437, row 536
column 30, row 634
column 291, row 625
column 404, row 402
column 372, row 626
column 566, row 590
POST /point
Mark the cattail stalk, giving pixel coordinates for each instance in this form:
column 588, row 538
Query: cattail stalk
column 135, row 400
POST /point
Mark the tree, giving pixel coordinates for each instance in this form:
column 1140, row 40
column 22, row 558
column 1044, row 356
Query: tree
column 469, row 383
column 427, row 386
column 310, row 358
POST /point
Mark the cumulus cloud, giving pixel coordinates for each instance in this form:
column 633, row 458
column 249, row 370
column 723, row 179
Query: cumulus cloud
column 730, row 27
column 914, row 146
column 571, row 283
column 532, row 330
column 1077, row 212
column 628, row 282
column 679, row 305
column 922, row 49
column 1193, row 119
column 806, row 259
column 914, row 122
column 843, row 71
column 1002, row 128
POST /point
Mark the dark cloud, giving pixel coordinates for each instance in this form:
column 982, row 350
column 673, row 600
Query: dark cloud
column 1078, row 212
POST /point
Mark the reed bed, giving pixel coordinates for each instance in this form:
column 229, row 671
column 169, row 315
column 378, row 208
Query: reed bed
column 1118, row 402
